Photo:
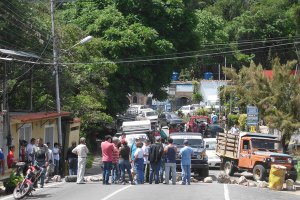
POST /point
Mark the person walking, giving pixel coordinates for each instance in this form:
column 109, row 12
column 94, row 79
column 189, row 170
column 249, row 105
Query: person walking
column 107, row 151
column 40, row 152
column 170, row 155
column 115, row 161
column 139, row 163
column 155, row 153
column 186, row 155
column 81, row 151
column 146, row 148
column 72, row 159
column 124, row 161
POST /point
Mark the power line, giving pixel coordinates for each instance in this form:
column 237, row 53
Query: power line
column 175, row 58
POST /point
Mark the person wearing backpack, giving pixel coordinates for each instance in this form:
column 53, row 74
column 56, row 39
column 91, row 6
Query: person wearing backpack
column 155, row 154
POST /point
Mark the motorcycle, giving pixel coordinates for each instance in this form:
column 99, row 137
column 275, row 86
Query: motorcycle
column 26, row 186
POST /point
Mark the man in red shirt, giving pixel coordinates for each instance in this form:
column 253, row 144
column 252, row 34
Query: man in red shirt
column 11, row 157
column 115, row 161
column 107, row 153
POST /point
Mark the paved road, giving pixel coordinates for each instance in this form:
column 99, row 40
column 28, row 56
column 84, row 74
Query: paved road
column 196, row 191
column 213, row 191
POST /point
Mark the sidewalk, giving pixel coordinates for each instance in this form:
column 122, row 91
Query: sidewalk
column 96, row 167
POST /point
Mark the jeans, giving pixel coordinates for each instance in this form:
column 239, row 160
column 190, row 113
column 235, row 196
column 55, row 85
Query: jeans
column 41, row 164
column 56, row 169
column 107, row 166
column 172, row 167
column 81, row 170
column 154, row 171
column 139, row 165
column 186, row 174
column 125, row 165
column 73, row 166
column 162, row 170
column 146, row 172
column 115, row 172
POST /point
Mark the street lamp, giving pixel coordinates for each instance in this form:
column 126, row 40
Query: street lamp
column 55, row 64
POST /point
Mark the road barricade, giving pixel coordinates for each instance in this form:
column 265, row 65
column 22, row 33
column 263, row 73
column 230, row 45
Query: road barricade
column 277, row 176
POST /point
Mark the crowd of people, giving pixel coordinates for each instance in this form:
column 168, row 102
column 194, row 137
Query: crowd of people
column 143, row 161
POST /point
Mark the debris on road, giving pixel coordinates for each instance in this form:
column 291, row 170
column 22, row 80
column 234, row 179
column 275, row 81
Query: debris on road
column 208, row 180
column 290, row 185
column 242, row 180
column 262, row 184
column 223, row 178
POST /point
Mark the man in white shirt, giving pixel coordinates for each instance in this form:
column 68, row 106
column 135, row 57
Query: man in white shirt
column 146, row 148
column 56, row 152
column 81, row 150
column 50, row 167
column 235, row 130
column 29, row 150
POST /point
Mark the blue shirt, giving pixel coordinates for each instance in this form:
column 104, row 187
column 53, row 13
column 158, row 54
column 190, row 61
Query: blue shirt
column 186, row 155
column 1, row 155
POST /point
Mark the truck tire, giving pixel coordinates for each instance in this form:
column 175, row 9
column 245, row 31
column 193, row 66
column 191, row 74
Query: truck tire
column 229, row 169
column 259, row 173
column 293, row 176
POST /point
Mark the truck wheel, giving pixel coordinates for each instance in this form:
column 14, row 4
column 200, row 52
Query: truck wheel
column 229, row 168
column 293, row 176
column 259, row 173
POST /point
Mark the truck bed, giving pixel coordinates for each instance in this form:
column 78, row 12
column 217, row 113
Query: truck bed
column 227, row 145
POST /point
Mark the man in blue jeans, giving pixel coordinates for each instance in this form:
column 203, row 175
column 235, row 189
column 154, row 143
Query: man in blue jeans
column 107, row 154
column 186, row 155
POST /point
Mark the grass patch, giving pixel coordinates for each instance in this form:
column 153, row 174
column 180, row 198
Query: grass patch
column 89, row 160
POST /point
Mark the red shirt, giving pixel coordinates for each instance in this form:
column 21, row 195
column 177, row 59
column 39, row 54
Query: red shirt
column 10, row 159
column 107, row 151
column 115, row 155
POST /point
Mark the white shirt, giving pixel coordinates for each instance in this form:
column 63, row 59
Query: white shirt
column 146, row 152
column 55, row 153
column 235, row 130
column 29, row 148
column 81, row 150
column 50, row 155
column 139, row 153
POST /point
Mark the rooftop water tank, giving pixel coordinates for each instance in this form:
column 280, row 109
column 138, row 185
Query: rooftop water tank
column 208, row 76
column 175, row 76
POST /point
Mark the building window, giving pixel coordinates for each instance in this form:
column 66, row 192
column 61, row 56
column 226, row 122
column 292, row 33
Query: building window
column 25, row 132
column 49, row 135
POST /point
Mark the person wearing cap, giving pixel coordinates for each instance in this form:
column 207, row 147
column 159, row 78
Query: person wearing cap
column 107, row 149
column 81, row 150
column 186, row 156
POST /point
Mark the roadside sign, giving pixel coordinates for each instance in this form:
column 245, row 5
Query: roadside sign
column 252, row 116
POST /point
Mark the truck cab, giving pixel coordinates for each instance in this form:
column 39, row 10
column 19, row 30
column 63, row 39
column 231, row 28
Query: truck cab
column 253, row 152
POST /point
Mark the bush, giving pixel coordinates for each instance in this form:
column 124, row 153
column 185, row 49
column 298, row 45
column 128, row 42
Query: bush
column 232, row 119
column 202, row 111
column 12, row 182
column 89, row 161
column 242, row 121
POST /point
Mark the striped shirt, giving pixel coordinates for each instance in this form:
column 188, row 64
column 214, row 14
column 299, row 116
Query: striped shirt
column 115, row 155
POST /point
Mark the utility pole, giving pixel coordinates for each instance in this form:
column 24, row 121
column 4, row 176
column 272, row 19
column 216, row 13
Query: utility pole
column 55, row 63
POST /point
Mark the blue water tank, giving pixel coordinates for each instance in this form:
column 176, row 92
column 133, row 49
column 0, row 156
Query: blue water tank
column 175, row 76
column 208, row 76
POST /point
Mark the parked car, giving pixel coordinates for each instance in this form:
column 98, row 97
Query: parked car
column 199, row 163
column 212, row 130
column 169, row 118
column 151, row 115
column 213, row 159
column 187, row 110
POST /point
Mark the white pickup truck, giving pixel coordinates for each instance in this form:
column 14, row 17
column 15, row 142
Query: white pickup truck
column 136, row 129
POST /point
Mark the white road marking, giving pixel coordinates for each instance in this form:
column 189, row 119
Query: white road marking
column 36, row 189
column 116, row 192
column 226, row 192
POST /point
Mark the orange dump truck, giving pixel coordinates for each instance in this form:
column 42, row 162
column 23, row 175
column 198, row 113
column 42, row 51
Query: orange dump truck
column 253, row 152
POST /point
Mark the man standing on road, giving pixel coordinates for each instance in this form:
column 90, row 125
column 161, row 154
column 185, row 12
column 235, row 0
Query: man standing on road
column 186, row 155
column 170, row 152
column 107, row 152
column 40, row 152
column 51, row 166
column 146, row 148
column 29, row 150
column 155, row 154
column 81, row 150
column 115, row 161
column 56, row 152
column 72, row 160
